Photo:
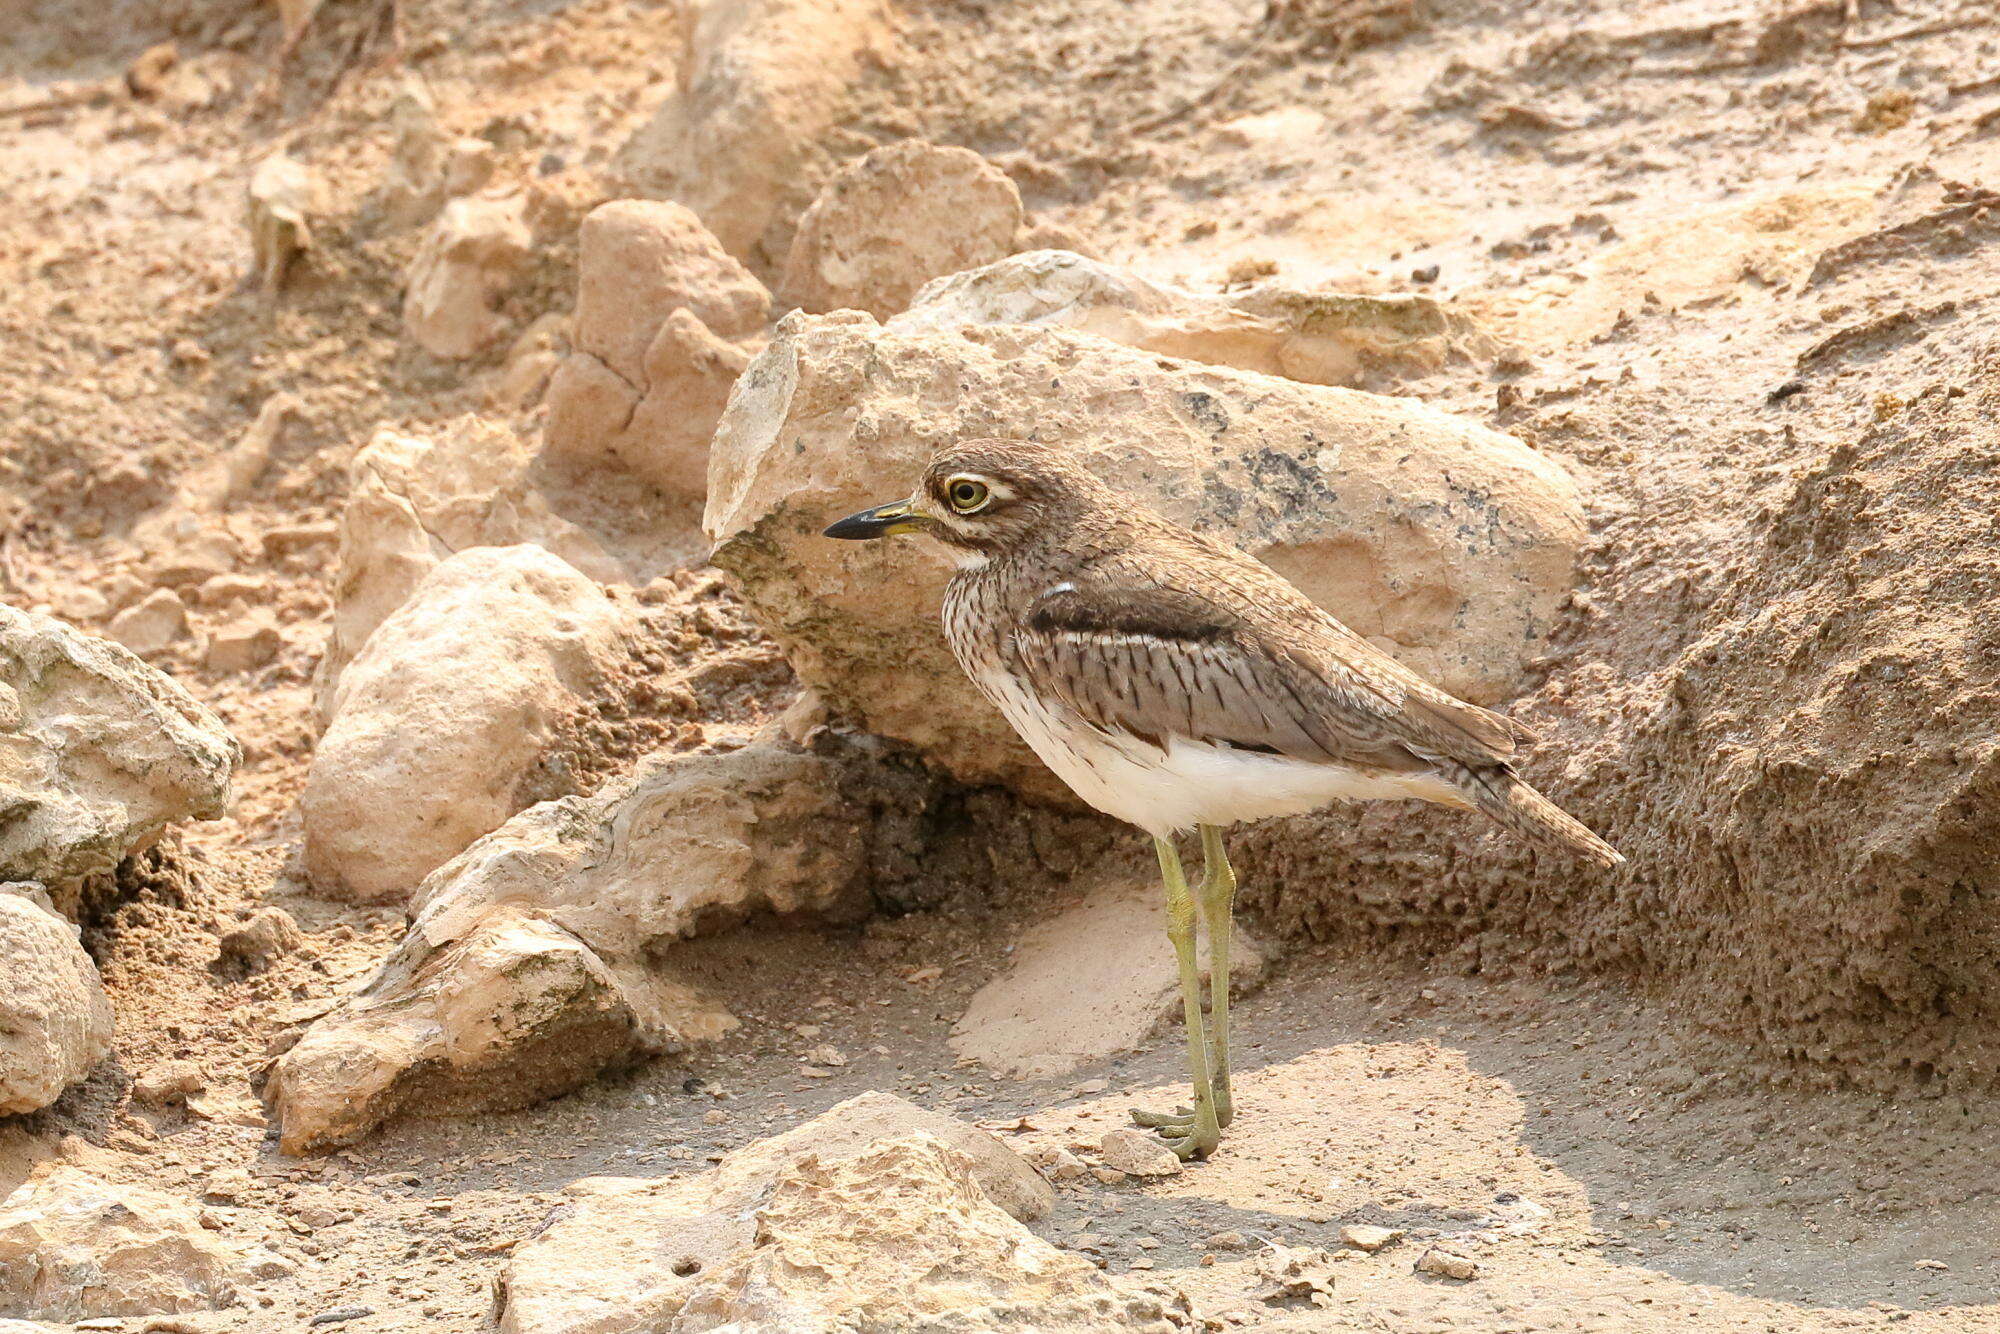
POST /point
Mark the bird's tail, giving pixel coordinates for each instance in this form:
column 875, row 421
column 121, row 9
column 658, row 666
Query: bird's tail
column 1513, row 805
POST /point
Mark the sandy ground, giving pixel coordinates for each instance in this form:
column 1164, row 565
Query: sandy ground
column 1612, row 1156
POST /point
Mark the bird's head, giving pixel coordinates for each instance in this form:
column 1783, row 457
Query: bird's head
column 983, row 497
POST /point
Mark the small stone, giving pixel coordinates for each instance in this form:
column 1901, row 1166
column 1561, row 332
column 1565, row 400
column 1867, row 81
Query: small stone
column 151, row 625
column 1055, row 1162
column 1367, row 1237
column 285, row 538
column 169, row 1084
column 1091, row 1086
column 1109, row 1176
column 228, row 1186
column 1292, row 1272
column 1447, row 1264
column 1939, row 1265
column 256, row 944
column 1225, row 1241
column 826, row 1055
column 339, row 1314
column 1138, row 1154
column 243, row 645
column 714, row 1116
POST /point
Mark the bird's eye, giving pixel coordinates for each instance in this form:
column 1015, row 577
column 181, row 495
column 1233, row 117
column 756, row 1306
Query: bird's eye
column 967, row 495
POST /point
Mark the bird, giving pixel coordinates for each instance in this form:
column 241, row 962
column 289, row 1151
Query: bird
column 1178, row 684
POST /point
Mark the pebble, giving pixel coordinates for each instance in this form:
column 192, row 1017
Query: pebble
column 1366, row 1237
column 1109, row 1176
column 1446, row 1264
column 168, row 1084
column 340, row 1314
column 1225, row 1241
column 1136, row 1153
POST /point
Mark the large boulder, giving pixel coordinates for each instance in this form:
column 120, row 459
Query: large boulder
column 742, row 139
column 892, row 220
column 1450, row 546
column 1361, row 341
column 101, row 752
column 534, row 957
column 55, row 1023
column 76, row 1247
column 446, row 710
column 415, row 500
column 876, row 1214
column 658, row 304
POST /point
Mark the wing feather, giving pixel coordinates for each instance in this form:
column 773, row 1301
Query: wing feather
column 1260, row 668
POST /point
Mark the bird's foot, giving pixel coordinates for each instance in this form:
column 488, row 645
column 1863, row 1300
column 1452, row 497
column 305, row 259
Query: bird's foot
column 1187, row 1132
column 1179, row 1119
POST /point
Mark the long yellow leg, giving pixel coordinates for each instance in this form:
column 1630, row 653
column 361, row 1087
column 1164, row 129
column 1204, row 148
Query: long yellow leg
column 1218, row 899
column 1201, row 1133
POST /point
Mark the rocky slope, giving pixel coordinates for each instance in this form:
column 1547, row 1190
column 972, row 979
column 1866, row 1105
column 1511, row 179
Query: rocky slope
column 429, row 879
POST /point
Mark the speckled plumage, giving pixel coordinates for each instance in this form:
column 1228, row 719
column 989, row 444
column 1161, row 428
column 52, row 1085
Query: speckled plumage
column 1116, row 641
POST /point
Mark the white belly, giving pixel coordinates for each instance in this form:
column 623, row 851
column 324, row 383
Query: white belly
column 1190, row 782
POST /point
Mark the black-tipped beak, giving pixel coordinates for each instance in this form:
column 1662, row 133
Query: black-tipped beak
column 882, row 521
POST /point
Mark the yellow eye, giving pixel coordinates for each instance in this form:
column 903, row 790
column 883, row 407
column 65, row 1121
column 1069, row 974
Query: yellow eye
column 967, row 495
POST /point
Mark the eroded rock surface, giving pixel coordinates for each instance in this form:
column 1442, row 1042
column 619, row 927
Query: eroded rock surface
column 472, row 253
column 101, row 752
column 876, row 1214
column 414, row 501
column 1449, row 545
column 662, row 313
column 892, row 220
column 445, row 710
column 55, row 1023
column 76, row 1247
column 742, row 139
column 1313, row 337
column 533, row 958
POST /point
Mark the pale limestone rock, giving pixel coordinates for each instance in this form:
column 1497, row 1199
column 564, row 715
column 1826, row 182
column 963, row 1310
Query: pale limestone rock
column 280, row 203
column 741, row 139
column 1447, row 1264
column 101, row 753
column 244, row 644
column 675, row 1253
column 168, row 1084
column 470, row 256
column 259, row 941
column 1448, row 545
column 892, row 220
column 1097, row 978
column 76, row 1247
column 415, row 500
column 686, row 841
column 517, row 1011
column 55, row 1023
column 659, row 429
column 902, row 1236
column 445, row 710
column 1367, row 1237
column 412, row 191
column 152, row 625
column 640, row 259
column 658, row 303
column 1313, row 337
column 534, row 957
column 1137, row 1153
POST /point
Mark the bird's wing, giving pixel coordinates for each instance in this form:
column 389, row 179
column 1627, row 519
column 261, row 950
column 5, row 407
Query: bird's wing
column 1261, row 669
